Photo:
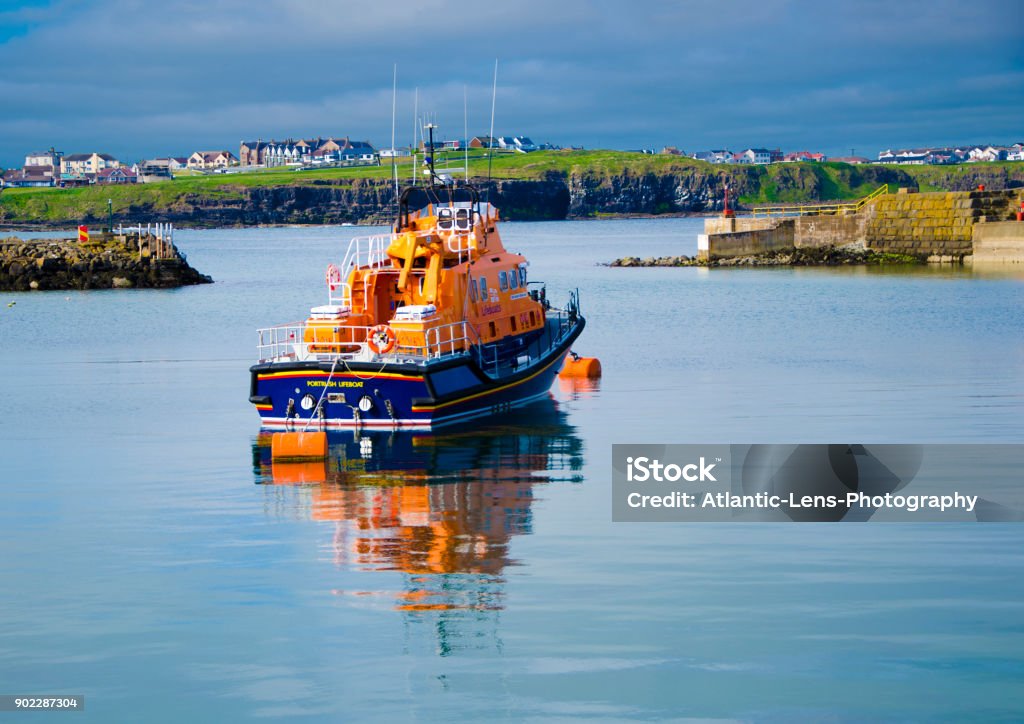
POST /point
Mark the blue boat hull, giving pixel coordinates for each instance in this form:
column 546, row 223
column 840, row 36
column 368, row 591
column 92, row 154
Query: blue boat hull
column 294, row 395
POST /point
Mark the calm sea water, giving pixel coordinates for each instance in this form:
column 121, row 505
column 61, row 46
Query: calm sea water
column 153, row 560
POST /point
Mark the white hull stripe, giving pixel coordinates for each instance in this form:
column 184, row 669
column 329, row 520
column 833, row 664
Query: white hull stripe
column 297, row 425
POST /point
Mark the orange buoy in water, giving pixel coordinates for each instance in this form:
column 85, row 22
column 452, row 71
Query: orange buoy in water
column 576, row 366
column 298, row 446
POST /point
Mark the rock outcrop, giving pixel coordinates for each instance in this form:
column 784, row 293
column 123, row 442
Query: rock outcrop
column 810, row 256
column 108, row 263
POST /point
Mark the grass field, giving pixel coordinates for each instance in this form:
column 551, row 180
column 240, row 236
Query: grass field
column 788, row 183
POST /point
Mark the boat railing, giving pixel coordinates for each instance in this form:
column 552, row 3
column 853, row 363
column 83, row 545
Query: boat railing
column 299, row 342
column 460, row 244
column 362, row 251
column 371, row 251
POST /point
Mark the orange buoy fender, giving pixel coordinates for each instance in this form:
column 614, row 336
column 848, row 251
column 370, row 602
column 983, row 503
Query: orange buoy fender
column 588, row 367
column 298, row 446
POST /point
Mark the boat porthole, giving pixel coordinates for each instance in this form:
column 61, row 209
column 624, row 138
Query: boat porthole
column 307, row 402
column 365, row 403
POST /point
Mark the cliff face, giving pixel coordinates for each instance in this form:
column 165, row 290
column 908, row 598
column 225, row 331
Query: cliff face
column 337, row 202
column 696, row 191
column 626, row 193
column 693, row 189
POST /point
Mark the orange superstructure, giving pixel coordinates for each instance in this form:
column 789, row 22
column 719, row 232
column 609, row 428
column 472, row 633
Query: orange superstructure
column 443, row 280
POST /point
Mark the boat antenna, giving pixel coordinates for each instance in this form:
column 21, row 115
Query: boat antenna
column 465, row 129
column 394, row 159
column 490, row 139
column 430, row 154
column 415, row 123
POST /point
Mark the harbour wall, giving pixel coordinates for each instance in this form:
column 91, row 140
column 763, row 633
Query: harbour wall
column 743, row 236
column 999, row 242
column 932, row 226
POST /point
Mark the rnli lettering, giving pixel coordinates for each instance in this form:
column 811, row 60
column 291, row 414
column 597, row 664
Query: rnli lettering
column 490, row 309
column 334, row 383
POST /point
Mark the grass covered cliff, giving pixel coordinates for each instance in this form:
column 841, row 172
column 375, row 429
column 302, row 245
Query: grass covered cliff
column 541, row 185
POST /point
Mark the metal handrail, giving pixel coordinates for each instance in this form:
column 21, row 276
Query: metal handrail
column 288, row 342
column 820, row 209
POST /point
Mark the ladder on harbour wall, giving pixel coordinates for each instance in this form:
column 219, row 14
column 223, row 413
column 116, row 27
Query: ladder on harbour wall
column 158, row 239
column 851, row 207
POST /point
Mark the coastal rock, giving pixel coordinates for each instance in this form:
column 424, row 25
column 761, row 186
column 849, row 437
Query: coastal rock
column 810, row 256
column 110, row 263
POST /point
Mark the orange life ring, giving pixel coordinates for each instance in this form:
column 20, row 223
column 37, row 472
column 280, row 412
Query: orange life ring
column 381, row 339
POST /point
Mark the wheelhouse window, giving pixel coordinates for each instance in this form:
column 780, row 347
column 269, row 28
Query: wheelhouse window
column 503, row 280
column 522, row 276
column 472, row 289
column 513, row 280
column 483, row 288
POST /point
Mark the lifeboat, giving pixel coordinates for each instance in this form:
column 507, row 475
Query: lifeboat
column 430, row 324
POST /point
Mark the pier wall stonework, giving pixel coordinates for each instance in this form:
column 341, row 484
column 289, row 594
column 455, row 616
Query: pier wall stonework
column 928, row 225
column 833, row 230
column 999, row 241
column 937, row 224
column 748, row 242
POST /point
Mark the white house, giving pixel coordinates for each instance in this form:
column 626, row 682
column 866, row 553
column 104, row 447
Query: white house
column 986, row 153
column 755, row 155
column 79, row 164
column 524, row 144
column 211, row 159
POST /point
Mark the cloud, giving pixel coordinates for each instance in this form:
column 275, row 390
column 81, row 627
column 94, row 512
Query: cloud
column 139, row 78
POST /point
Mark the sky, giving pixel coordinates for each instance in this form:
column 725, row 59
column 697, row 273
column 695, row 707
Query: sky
column 140, row 78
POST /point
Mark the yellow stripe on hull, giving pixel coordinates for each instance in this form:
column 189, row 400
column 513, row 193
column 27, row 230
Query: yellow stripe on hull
column 429, row 408
column 340, row 376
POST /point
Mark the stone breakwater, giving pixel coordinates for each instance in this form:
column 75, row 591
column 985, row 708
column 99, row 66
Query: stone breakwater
column 111, row 262
column 816, row 256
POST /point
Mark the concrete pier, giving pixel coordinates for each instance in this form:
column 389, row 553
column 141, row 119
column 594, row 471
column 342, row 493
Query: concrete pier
column 931, row 226
column 999, row 242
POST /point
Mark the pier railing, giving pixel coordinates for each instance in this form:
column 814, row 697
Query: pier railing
column 849, row 207
column 158, row 238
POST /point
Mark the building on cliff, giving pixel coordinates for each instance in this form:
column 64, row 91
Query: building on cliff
column 206, row 160
column 112, row 176
column 78, row 165
column 317, row 151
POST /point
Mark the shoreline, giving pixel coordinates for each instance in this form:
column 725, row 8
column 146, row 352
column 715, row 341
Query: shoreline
column 70, row 227
column 816, row 256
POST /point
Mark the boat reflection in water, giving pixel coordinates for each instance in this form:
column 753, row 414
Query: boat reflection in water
column 579, row 388
column 439, row 508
